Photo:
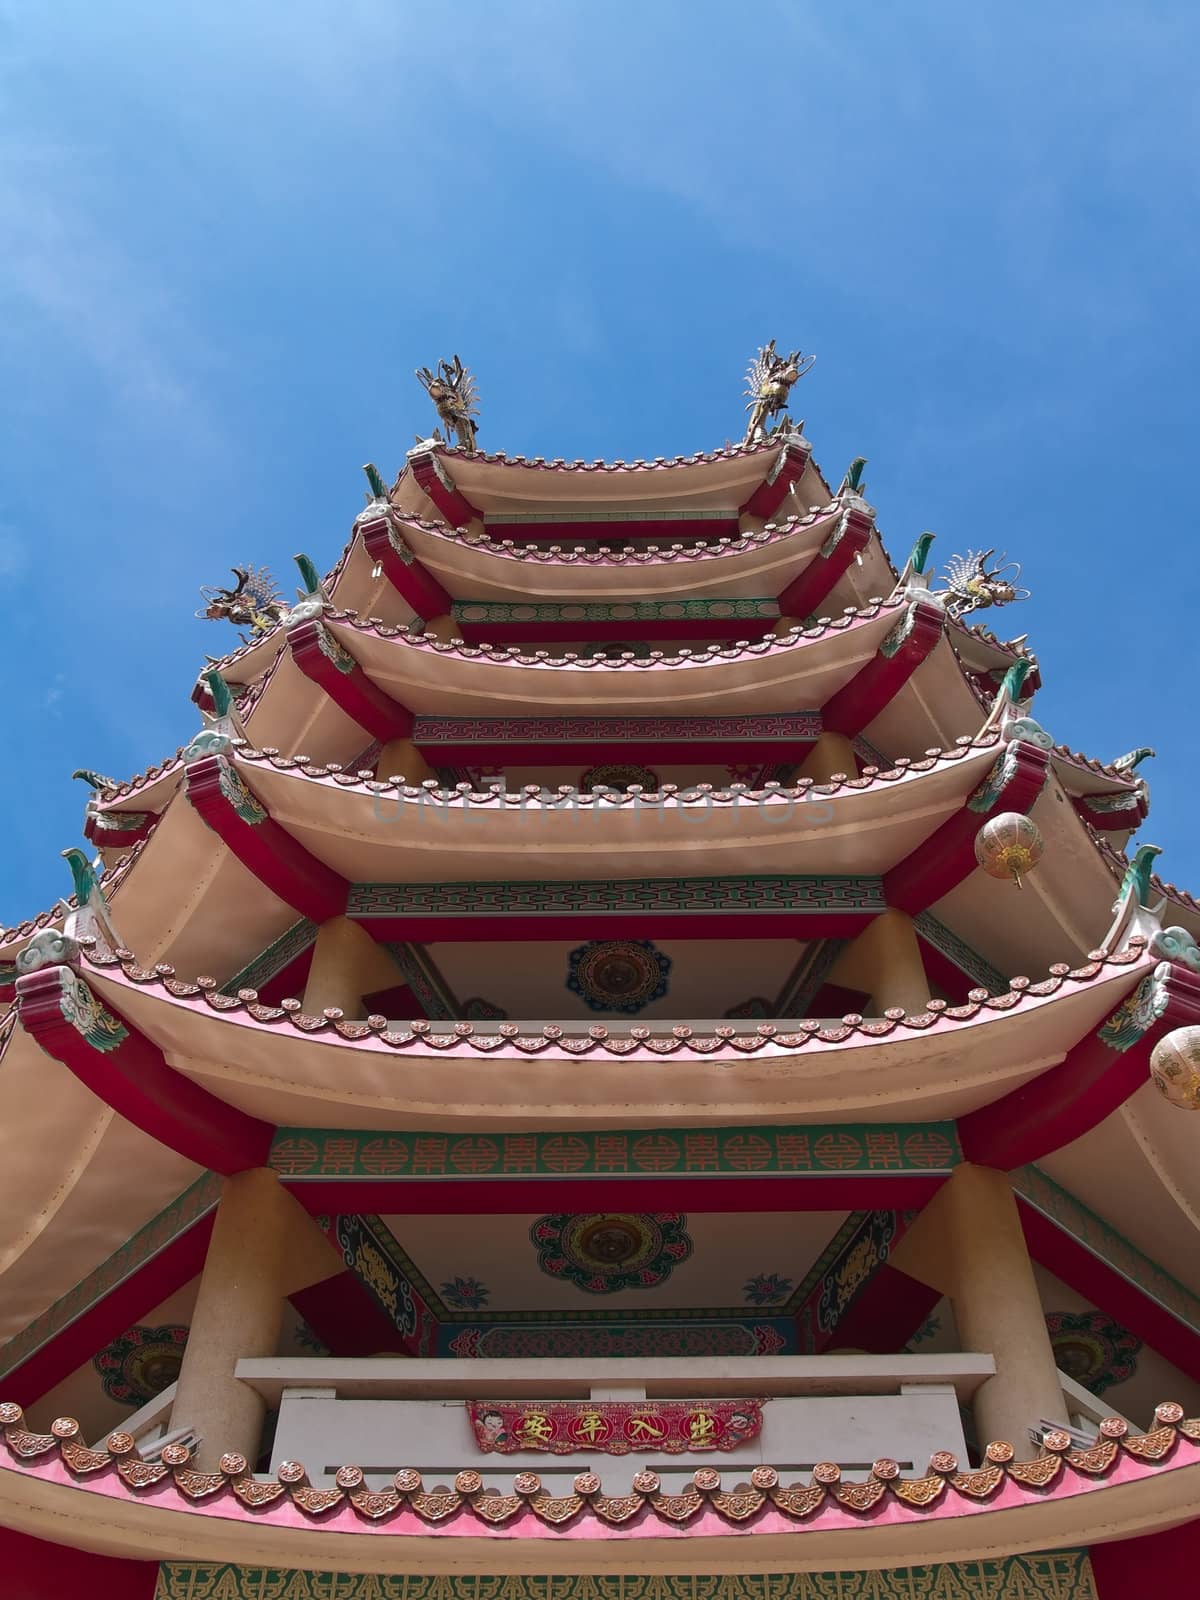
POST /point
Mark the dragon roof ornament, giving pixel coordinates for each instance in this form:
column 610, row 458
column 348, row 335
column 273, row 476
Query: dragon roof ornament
column 456, row 400
column 969, row 583
column 769, row 380
column 256, row 602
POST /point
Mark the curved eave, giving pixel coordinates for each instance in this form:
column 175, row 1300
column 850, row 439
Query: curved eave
column 475, row 566
column 1065, row 904
column 76, row 1181
column 391, row 832
column 935, row 707
column 275, row 1064
column 500, row 485
column 54, row 1488
column 1156, row 1203
column 788, row 674
column 982, row 653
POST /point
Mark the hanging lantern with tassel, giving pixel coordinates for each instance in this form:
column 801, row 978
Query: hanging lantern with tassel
column 1175, row 1067
column 1008, row 846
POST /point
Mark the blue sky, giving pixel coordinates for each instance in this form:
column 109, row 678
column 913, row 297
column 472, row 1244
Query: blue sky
column 232, row 231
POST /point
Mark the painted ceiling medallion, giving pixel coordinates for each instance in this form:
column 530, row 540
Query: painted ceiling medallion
column 141, row 1363
column 620, row 775
column 605, row 1252
column 618, row 974
column 1093, row 1349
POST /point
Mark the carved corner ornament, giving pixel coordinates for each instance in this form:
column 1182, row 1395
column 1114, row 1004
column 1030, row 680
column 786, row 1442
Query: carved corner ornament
column 54, row 1002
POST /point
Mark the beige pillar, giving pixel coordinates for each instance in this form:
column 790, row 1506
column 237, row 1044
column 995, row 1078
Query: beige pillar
column 400, row 758
column 968, row 1244
column 443, row 629
column 346, row 964
column 263, row 1247
column 885, row 963
column 832, row 754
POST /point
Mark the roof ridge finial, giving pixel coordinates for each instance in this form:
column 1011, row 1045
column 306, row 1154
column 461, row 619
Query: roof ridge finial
column 769, row 380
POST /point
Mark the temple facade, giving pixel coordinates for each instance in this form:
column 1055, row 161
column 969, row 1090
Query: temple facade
column 619, row 1059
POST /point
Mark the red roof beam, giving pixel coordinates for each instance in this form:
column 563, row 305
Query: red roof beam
column 118, row 830
column 1096, row 1077
column 128, row 1072
column 532, row 1196
column 1131, row 811
column 787, row 470
column 947, row 857
column 435, row 480
column 807, row 592
column 877, row 683
column 415, row 585
column 220, row 797
column 327, row 662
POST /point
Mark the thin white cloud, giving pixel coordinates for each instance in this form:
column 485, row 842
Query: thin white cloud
column 14, row 553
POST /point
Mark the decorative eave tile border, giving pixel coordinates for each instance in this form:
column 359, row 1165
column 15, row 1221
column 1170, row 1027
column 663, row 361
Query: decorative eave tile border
column 762, row 1505
column 516, row 655
column 504, row 898
column 536, row 796
column 516, row 1039
column 609, row 553
column 1051, row 1574
column 818, row 1148
column 498, row 458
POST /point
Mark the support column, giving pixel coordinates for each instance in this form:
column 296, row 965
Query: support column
column 346, row 964
column 885, row 963
column 968, row 1243
column 400, row 758
column 832, row 754
column 263, row 1247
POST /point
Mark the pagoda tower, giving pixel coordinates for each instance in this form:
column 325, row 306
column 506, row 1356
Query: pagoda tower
column 618, row 1052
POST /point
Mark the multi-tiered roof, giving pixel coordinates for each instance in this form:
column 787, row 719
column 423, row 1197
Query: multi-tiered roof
column 689, row 708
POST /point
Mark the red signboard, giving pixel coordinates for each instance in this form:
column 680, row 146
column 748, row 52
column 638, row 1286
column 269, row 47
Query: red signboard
column 617, row 1427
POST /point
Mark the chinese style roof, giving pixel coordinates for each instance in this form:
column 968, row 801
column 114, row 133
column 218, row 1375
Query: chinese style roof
column 524, row 630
